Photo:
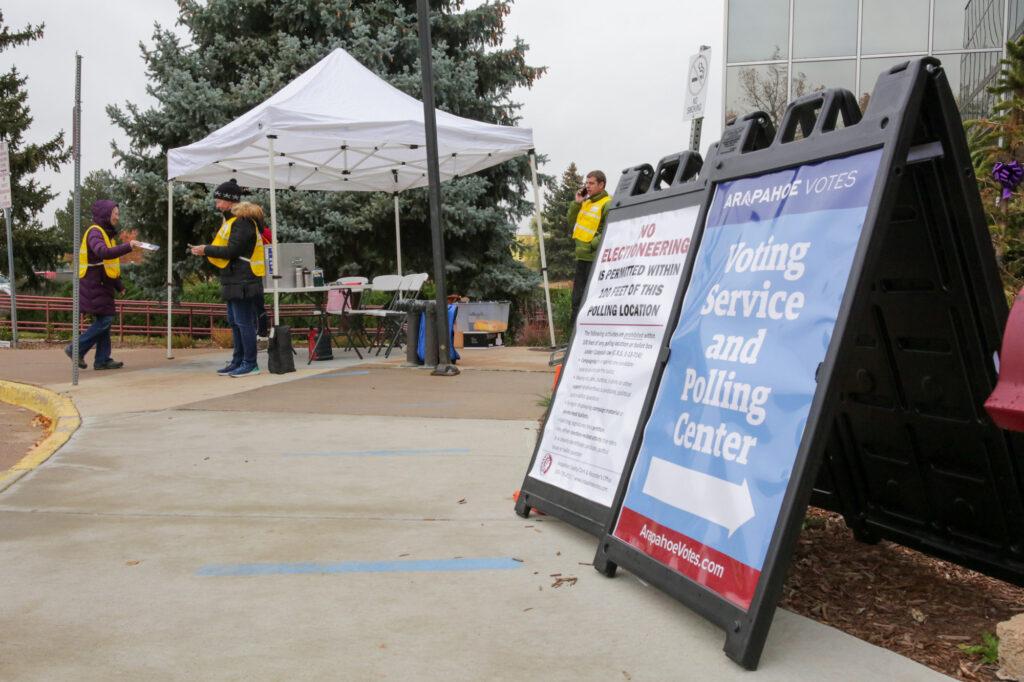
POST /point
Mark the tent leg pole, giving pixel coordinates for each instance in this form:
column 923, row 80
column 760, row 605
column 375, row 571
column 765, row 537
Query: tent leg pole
column 170, row 262
column 540, row 241
column 273, row 228
column 398, row 236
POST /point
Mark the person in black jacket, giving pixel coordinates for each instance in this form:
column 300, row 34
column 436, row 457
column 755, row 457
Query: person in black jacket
column 237, row 252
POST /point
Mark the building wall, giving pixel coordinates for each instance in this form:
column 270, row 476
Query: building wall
column 777, row 50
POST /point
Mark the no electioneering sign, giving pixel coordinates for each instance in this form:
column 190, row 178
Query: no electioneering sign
column 730, row 412
column 620, row 331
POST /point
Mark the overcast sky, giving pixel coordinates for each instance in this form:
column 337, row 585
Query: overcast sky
column 612, row 96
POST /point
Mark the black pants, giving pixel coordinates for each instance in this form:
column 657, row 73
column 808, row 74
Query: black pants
column 579, row 287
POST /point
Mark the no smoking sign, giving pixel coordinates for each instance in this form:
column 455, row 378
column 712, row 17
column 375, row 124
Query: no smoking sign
column 697, row 84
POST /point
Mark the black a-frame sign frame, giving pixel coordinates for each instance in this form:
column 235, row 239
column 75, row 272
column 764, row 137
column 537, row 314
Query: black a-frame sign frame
column 586, row 437
column 786, row 257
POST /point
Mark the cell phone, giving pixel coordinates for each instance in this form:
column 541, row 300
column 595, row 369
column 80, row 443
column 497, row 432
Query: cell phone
column 583, row 191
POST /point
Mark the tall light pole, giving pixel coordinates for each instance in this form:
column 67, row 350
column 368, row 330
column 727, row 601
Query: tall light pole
column 444, row 365
column 6, row 201
column 76, row 147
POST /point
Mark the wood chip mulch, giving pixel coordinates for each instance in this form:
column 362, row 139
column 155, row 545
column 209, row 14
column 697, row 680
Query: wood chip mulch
column 894, row 597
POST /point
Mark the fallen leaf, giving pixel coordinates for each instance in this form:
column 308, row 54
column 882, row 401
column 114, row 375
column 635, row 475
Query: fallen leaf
column 917, row 614
column 462, row 501
column 133, row 562
column 41, row 422
column 567, row 580
column 967, row 672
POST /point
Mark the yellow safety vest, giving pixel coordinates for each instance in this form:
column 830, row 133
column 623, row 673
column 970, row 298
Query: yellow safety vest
column 224, row 235
column 112, row 266
column 589, row 219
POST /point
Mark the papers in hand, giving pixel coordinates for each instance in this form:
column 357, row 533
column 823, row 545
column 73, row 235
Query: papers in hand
column 149, row 247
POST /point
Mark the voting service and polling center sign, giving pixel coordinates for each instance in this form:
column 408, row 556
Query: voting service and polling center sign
column 832, row 329
column 736, row 392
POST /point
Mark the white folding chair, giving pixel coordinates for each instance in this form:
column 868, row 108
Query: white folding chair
column 339, row 302
column 413, row 284
column 386, row 283
column 408, row 290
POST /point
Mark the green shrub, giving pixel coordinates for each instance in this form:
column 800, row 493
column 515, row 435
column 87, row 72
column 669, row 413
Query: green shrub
column 561, row 310
column 183, row 341
column 201, row 292
column 988, row 650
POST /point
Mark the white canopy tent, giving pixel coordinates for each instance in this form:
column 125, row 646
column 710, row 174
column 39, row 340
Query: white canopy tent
column 338, row 127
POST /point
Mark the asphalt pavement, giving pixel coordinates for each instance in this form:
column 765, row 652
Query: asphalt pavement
column 352, row 520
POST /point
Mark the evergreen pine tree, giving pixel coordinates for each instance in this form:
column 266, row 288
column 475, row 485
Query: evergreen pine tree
column 240, row 52
column 99, row 184
column 559, row 246
column 34, row 247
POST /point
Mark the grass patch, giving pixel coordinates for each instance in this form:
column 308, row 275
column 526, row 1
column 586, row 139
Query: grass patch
column 988, row 650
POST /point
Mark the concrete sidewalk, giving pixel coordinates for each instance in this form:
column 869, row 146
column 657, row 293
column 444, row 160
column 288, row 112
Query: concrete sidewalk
column 349, row 521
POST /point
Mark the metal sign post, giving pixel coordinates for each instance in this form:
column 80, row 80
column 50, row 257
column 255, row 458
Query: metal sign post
column 7, row 203
column 444, row 364
column 697, row 94
column 76, row 152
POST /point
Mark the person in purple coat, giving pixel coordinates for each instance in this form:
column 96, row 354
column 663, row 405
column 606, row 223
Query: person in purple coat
column 99, row 272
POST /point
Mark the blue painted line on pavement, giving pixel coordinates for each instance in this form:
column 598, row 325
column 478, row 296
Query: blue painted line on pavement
column 331, row 375
column 317, row 568
column 381, row 453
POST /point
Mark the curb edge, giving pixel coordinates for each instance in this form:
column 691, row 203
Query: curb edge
column 58, row 408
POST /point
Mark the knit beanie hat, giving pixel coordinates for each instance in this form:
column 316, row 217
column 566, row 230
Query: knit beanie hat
column 229, row 191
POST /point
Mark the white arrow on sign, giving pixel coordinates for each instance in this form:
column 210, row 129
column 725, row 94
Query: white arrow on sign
column 720, row 502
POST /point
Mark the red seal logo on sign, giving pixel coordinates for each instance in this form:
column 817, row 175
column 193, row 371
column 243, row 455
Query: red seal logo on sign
column 545, row 463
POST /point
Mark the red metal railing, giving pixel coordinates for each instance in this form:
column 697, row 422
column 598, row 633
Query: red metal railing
column 52, row 314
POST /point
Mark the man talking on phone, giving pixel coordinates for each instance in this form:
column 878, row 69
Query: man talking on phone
column 587, row 216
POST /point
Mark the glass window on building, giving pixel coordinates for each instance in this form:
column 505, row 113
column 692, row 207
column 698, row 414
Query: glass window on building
column 758, row 30
column 870, row 69
column 967, row 24
column 969, row 80
column 890, row 26
column 756, row 88
column 1016, row 19
column 812, row 76
column 824, row 28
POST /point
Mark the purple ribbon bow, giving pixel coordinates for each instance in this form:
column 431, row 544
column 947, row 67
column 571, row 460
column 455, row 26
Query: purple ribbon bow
column 1009, row 176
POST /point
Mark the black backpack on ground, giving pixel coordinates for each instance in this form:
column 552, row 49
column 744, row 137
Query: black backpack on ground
column 280, row 354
